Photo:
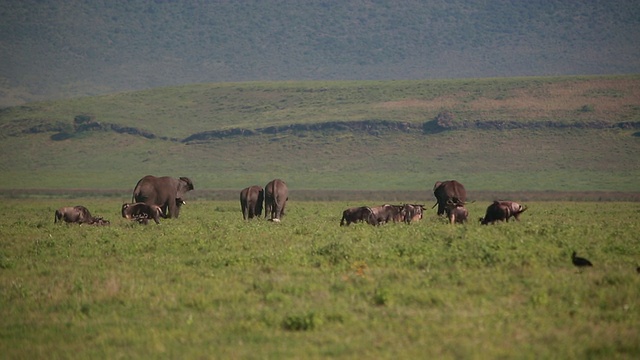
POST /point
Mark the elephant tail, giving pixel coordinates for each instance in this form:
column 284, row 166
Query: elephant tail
column 275, row 197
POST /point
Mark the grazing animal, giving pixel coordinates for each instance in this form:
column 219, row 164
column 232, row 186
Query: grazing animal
column 358, row 214
column 515, row 208
column 496, row 212
column 74, row 214
column 251, row 199
column 446, row 191
column 100, row 221
column 163, row 192
column 412, row 212
column 457, row 214
column 142, row 212
column 579, row 261
column 276, row 195
column 387, row 213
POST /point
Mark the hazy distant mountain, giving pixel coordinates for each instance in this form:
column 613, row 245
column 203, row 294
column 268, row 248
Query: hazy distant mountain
column 62, row 48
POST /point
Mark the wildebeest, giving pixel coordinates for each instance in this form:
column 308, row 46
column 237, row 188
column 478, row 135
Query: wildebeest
column 515, row 209
column 457, row 214
column 357, row 214
column 412, row 212
column 77, row 214
column 496, row 212
column 251, row 199
column 387, row 213
column 446, row 191
column 142, row 212
column 100, row 221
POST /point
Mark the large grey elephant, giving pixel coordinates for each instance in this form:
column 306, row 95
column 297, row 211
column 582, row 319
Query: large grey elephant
column 276, row 195
column 447, row 193
column 162, row 191
column 251, row 199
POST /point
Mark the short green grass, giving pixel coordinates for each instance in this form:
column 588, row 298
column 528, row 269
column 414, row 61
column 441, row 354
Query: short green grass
column 212, row 285
column 514, row 160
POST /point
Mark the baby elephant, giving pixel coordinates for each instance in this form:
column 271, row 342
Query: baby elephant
column 142, row 212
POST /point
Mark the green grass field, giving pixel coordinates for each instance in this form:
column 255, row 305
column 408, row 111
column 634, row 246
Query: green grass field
column 210, row 285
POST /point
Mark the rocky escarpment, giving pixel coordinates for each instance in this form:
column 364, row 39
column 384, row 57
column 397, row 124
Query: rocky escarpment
column 441, row 123
column 377, row 127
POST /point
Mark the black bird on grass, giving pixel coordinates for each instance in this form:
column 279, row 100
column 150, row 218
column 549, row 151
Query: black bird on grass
column 580, row 262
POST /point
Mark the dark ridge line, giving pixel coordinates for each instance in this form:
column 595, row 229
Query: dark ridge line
column 372, row 127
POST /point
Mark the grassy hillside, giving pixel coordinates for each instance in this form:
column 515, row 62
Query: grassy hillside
column 597, row 151
column 70, row 48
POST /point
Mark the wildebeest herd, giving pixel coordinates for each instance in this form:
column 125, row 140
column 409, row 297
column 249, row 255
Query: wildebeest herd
column 451, row 198
column 162, row 197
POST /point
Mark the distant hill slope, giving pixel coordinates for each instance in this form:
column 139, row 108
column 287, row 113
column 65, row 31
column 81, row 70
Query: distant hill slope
column 75, row 48
column 494, row 135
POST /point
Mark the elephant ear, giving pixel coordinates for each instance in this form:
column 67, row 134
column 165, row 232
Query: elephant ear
column 188, row 183
column 437, row 185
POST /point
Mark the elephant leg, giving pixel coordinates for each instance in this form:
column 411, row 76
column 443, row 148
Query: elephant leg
column 173, row 209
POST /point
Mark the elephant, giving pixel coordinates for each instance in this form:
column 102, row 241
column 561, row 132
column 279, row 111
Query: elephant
column 276, row 195
column 448, row 191
column 251, row 199
column 142, row 212
column 165, row 192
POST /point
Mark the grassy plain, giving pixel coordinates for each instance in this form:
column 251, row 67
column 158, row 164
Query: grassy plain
column 211, row 285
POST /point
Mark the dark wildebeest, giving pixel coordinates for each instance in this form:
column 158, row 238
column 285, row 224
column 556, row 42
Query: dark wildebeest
column 412, row 212
column 514, row 208
column 457, row 214
column 357, row 214
column 100, row 221
column 496, row 212
column 78, row 214
column 276, row 195
column 142, row 212
column 251, row 199
column 387, row 213
column 446, row 191
column 162, row 191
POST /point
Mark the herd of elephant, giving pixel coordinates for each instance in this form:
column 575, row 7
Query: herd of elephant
column 162, row 197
